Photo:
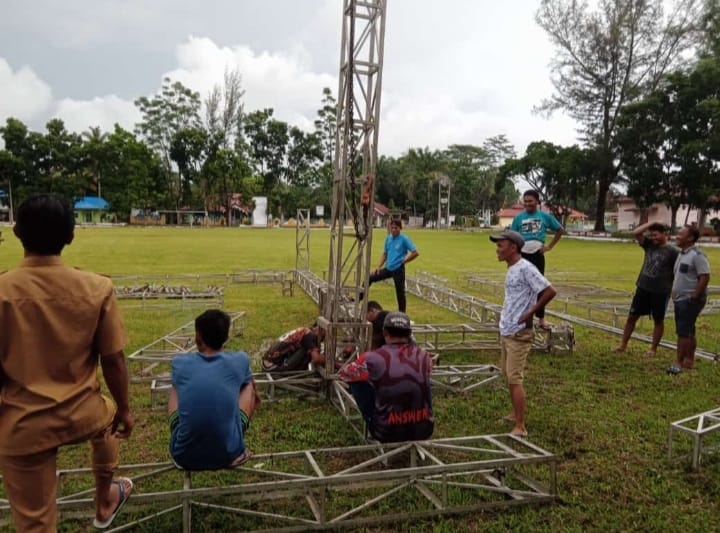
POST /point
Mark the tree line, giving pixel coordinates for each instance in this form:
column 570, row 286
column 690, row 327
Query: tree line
column 190, row 153
column 643, row 84
column 642, row 79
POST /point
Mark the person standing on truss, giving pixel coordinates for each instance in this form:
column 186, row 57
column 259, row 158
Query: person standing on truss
column 397, row 252
column 526, row 291
column 533, row 224
column 57, row 324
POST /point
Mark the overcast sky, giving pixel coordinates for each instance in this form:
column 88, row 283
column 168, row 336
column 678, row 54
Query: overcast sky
column 456, row 71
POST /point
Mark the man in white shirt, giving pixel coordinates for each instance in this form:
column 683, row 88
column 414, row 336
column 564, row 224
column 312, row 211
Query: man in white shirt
column 526, row 291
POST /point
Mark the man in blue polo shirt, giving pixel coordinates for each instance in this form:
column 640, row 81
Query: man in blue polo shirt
column 212, row 400
column 398, row 251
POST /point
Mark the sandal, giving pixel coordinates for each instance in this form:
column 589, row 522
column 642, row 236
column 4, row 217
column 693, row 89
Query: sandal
column 124, row 497
column 241, row 459
column 674, row 370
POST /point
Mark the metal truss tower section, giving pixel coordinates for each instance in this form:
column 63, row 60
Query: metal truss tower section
column 358, row 114
column 302, row 240
column 443, row 202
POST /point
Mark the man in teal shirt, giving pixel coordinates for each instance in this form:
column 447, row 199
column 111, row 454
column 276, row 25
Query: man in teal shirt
column 398, row 251
column 533, row 224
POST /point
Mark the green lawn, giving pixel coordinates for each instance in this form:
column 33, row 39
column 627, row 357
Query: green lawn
column 605, row 415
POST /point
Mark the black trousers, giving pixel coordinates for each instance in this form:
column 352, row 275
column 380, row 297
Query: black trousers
column 398, row 277
column 537, row 259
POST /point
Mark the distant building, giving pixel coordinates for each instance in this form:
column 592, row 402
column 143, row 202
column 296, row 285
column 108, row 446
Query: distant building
column 381, row 215
column 631, row 216
column 91, row 209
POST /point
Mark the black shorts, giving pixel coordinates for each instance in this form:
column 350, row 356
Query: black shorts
column 686, row 313
column 649, row 303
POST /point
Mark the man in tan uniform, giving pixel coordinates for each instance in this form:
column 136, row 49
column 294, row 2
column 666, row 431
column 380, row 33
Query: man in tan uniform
column 56, row 323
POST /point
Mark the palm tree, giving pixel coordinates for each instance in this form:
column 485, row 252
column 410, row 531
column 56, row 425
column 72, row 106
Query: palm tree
column 94, row 143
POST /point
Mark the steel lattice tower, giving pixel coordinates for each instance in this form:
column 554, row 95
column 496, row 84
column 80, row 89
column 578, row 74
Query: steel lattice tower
column 358, row 115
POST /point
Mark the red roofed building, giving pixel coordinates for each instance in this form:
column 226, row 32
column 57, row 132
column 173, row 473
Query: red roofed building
column 381, row 215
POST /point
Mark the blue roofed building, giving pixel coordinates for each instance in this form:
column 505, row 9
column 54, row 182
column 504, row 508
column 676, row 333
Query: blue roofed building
column 91, row 209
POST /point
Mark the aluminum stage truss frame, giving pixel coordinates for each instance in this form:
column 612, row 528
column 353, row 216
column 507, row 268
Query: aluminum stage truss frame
column 182, row 340
column 197, row 282
column 699, row 427
column 559, row 339
column 272, row 387
column 334, row 488
column 149, row 296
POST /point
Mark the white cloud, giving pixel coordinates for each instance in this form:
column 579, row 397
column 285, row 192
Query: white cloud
column 105, row 112
column 22, row 94
column 283, row 81
column 454, row 72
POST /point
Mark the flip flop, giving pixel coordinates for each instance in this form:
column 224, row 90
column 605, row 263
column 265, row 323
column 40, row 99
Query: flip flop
column 508, row 419
column 242, row 459
column 521, row 434
column 545, row 327
column 124, row 497
column 674, row 370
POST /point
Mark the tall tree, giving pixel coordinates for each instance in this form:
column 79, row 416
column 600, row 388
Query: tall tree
column 609, row 57
column 563, row 175
column 133, row 175
column 94, row 140
column 670, row 141
column 174, row 109
column 224, row 110
column 268, row 139
column 325, row 125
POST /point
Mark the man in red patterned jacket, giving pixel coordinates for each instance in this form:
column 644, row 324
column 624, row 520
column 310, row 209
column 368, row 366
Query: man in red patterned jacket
column 391, row 385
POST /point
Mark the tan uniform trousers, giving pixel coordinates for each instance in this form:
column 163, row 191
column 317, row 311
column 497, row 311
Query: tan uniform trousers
column 31, row 482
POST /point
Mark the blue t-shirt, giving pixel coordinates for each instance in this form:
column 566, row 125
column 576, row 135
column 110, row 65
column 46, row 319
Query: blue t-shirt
column 396, row 248
column 533, row 226
column 209, row 433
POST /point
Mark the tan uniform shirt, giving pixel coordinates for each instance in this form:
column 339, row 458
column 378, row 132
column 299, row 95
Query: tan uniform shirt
column 54, row 322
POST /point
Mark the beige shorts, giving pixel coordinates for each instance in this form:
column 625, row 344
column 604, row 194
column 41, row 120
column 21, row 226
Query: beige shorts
column 514, row 350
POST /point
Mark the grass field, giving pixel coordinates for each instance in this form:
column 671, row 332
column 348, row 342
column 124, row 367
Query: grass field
column 605, row 415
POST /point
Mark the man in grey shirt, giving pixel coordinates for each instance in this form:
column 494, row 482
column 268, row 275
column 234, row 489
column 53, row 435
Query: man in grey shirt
column 689, row 293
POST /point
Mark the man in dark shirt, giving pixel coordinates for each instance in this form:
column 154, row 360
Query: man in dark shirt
column 376, row 316
column 653, row 284
column 391, row 385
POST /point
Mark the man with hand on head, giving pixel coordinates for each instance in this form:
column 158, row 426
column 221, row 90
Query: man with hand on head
column 526, row 291
column 56, row 324
column 653, row 284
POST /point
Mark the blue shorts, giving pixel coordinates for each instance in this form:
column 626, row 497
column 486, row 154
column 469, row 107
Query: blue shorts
column 686, row 313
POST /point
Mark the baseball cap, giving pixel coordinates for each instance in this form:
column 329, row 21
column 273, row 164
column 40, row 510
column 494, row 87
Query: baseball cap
column 397, row 320
column 509, row 235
